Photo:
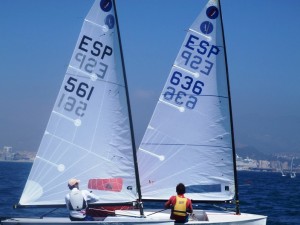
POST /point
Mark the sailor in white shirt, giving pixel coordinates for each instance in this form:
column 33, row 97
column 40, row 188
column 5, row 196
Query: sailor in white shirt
column 77, row 200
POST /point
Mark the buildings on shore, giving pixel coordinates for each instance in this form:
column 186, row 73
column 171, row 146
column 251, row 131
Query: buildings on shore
column 248, row 164
column 283, row 166
column 7, row 154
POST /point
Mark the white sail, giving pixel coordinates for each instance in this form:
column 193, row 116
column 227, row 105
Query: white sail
column 189, row 137
column 88, row 135
column 292, row 173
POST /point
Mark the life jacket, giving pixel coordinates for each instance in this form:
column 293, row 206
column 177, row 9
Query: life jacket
column 77, row 201
column 180, row 207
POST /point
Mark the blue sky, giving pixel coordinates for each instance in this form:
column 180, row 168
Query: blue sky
column 38, row 37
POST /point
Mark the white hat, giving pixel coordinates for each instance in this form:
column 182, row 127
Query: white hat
column 73, row 181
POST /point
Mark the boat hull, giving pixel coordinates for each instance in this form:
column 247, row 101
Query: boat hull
column 161, row 218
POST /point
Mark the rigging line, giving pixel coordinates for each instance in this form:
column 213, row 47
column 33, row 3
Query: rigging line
column 45, row 214
column 156, row 212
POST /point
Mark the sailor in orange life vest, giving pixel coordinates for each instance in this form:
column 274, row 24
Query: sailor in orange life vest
column 180, row 205
column 76, row 201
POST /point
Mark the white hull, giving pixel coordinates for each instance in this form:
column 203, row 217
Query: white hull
column 130, row 217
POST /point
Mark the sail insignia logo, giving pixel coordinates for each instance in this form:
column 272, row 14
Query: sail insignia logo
column 212, row 12
column 207, row 27
column 110, row 21
column 106, row 5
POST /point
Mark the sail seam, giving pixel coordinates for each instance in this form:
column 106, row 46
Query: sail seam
column 180, row 108
column 217, row 96
column 215, row 146
column 77, row 146
column 91, row 76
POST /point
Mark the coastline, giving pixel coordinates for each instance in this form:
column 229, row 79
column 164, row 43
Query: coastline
column 17, row 161
column 238, row 170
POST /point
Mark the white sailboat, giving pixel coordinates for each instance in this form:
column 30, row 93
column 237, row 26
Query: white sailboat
column 281, row 169
column 89, row 135
column 190, row 136
column 292, row 173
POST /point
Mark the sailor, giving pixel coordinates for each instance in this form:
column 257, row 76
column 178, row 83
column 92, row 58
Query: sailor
column 180, row 205
column 77, row 201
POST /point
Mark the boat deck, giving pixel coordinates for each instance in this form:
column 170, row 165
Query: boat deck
column 161, row 218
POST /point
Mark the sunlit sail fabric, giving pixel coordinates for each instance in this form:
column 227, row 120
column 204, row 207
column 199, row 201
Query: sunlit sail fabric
column 189, row 137
column 88, row 135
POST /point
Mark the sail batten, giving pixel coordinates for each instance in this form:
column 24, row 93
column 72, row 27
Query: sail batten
column 201, row 34
column 188, row 71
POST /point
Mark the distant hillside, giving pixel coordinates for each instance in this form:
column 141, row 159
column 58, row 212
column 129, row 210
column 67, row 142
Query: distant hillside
column 253, row 153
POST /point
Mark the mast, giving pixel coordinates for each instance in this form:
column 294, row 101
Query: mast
column 237, row 203
column 138, row 186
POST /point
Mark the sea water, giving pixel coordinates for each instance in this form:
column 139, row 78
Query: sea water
column 263, row 193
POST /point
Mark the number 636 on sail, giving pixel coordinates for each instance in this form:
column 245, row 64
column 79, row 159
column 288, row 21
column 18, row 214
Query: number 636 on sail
column 183, row 90
column 75, row 103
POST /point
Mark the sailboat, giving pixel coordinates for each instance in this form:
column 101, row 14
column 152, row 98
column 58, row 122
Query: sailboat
column 281, row 169
column 292, row 173
column 89, row 135
column 189, row 138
